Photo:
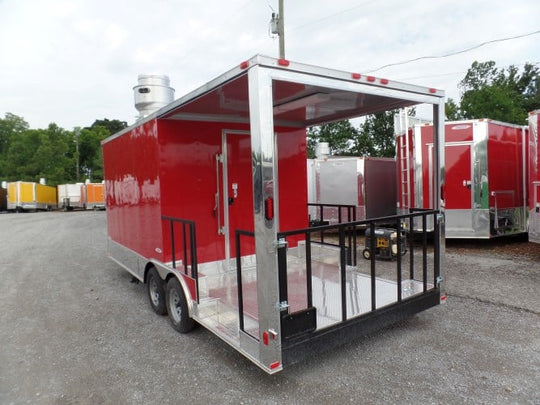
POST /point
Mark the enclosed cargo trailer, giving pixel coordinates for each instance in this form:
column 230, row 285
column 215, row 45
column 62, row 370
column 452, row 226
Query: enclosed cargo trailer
column 485, row 176
column 534, row 177
column 207, row 205
column 3, row 199
column 95, row 196
column 24, row 195
column 352, row 188
column 71, row 196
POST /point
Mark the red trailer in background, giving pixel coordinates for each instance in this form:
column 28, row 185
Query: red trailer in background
column 534, row 177
column 207, row 205
column 485, row 176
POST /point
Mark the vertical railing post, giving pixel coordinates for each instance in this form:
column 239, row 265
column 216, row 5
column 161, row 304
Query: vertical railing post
column 343, row 273
column 173, row 254
column 194, row 262
column 411, row 245
column 184, row 246
column 373, row 272
column 355, row 258
column 308, row 271
column 398, row 262
column 239, row 282
column 282, row 272
column 436, row 252
column 424, row 251
column 322, row 222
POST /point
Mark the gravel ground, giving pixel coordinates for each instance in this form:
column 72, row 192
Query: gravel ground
column 74, row 330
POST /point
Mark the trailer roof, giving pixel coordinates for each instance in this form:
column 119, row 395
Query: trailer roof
column 303, row 95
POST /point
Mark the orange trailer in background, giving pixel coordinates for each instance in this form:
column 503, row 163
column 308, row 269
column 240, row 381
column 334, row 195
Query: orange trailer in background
column 95, row 196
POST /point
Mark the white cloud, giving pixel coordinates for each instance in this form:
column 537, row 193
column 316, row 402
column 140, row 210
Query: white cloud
column 75, row 61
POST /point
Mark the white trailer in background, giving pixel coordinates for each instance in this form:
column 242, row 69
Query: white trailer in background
column 71, row 196
column 348, row 188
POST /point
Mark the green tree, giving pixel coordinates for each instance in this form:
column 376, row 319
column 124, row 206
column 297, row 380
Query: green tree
column 90, row 154
column 113, row 126
column 340, row 136
column 379, row 128
column 451, row 110
column 19, row 162
column 11, row 126
column 38, row 153
column 502, row 94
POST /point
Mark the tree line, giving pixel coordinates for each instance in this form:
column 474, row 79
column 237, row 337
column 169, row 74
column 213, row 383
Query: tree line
column 502, row 94
column 62, row 156
column 53, row 153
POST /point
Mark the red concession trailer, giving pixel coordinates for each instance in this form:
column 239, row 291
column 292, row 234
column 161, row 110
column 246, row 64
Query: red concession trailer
column 485, row 176
column 207, row 205
column 534, row 177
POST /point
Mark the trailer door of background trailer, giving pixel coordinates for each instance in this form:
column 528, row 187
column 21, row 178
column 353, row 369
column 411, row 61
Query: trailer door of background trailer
column 459, row 189
column 237, row 191
column 459, row 183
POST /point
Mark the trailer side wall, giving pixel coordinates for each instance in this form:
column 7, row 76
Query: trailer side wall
column 131, row 165
column 534, row 177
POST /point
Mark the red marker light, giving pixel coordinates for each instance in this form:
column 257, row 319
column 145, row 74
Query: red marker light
column 371, row 78
column 244, row 65
column 356, row 76
column 265, row 338
column 384, row 81
column 283, row 62
column 432, row 90
column 274, row 365
column 269, row 208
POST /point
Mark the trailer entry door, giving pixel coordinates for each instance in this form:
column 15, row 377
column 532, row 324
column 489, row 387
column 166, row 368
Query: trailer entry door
column 237, row 191
column 459, row 182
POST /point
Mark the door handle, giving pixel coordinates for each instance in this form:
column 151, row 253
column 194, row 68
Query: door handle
column 217, row 196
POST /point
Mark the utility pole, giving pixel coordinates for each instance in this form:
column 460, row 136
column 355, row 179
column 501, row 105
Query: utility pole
column 277, row 27
column 281, row 30
column 77, row 133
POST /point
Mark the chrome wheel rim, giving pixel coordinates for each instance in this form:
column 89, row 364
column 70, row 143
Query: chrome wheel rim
column 175, row 307
column 154, row 292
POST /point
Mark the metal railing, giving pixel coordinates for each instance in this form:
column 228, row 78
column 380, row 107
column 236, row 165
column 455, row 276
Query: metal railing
column 238, row 234
column 347, row 243
column 350, row 211
column 189, row 251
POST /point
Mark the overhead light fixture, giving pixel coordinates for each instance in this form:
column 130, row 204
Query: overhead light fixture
column 312, row 99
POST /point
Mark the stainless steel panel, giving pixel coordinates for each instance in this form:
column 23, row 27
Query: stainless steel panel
column 264, row 186
column 338, row 180
column 126, row 258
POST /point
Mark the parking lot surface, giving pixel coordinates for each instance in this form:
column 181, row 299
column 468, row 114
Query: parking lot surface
column 76, row 330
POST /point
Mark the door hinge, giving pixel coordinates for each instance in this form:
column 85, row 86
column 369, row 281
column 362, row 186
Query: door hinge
column 281, row 243
column 282, row 306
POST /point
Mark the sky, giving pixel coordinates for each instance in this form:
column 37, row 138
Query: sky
column 74, row 61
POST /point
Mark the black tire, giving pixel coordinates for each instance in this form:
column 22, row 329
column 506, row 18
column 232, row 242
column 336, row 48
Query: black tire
column 155, row 287
column 177, row 307
column 367, row 254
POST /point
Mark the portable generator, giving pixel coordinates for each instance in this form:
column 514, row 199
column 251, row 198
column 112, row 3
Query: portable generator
column 386, row 243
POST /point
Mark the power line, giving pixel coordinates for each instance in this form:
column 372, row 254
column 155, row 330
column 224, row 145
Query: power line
column 462, row 72
column 330, row 16
column 456, row 52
